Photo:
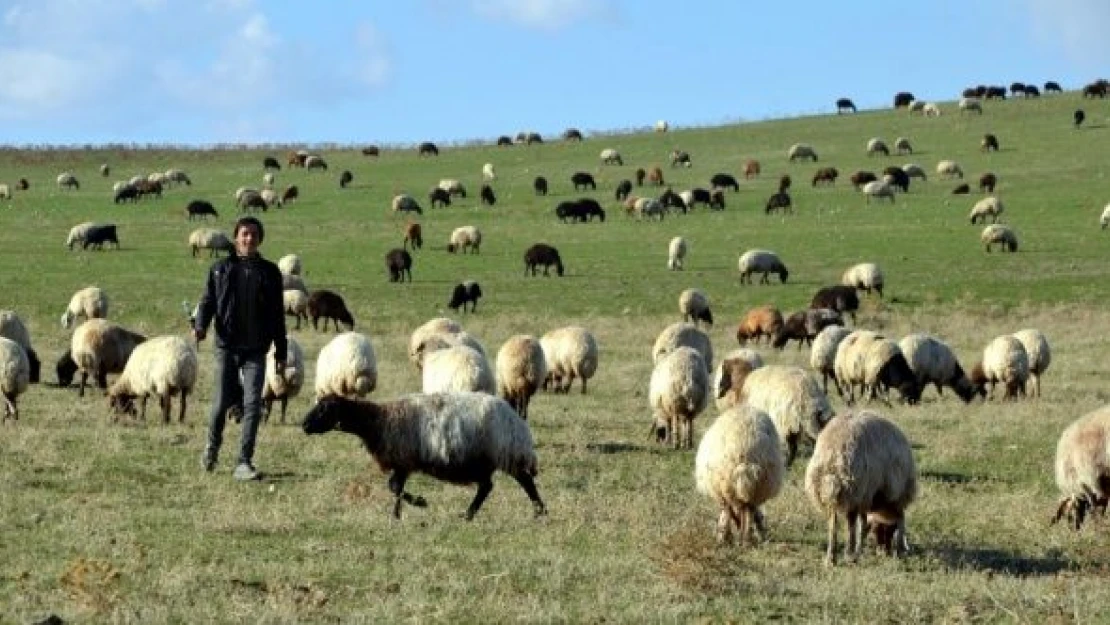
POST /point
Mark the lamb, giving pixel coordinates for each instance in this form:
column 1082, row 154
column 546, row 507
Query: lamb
column 543, row 255
column 68, row 181
column 99, row 347
column 13, row 329
column 826, row 175
column 1038, row 353
column 878, row 189
column 1083, row 467
column 346, row 367
column 161, row 366
column 609, row 156
column 464, row 292
column 406, row 204
column 801, row 152
column 452, row 186
column 569, row 352
column 520, row 370
column 200, row 208
column 655, row 176
column 1004, row 360
column 90, row 303
column 414, row 236
column 330, row 306
column 1000, row 235
column 290, row 264
column 863, row 468
column 295, row 302
column 761, row 261
column 209, row 239
column 739, row 466
column 676, row 251
column 947, row 169
column 844, row 105
column 678, row 393
column 822, row 356
column 694, row 306
column 314, row 161
column 730, row 374
column 457, row 368
column 865, row 277
column 793, row 400
column 933, row 362
column 462, row 438
column 930, row 109
column 464, row 238
column 15, row 376
column 682, row 334
column 399, row 264
column 987, row 207
column 759, row 322
column 875, row 146
column 842, row 299
column 902, row 146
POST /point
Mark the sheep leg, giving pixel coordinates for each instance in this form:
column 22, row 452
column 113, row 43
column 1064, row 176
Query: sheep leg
column 792, row 448
column 724, row 525
column 583, row 385
column 529, row 485
column 855, row 526
column 284, row 404
column 81, row 385
column 830, row 550
column 166, row 403
column 142, row 407
column 397, row 486
column 267, row 408
column 758, row 524
column 184, row 402
column 10, row 408
column 484, row 488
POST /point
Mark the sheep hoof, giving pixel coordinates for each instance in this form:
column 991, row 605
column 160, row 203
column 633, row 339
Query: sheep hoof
column 419, row 502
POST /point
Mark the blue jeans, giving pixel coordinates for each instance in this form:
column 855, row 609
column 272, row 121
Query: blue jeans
column 229, row 365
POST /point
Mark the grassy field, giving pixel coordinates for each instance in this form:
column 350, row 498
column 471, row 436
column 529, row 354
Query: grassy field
column 115, row 522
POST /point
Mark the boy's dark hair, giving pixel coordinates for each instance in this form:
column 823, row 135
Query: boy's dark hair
column 249, row 221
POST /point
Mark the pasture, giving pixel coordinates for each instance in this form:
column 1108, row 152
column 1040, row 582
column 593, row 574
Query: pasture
column 116, row 522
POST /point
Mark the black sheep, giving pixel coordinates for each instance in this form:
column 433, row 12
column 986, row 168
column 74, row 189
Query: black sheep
column 291, row 193
column 897, row 177
column 439, row 196
column 66, row 369
column 399, row 263
column 987, row 182
column 624, row 188
column 200, row 208
column 582, row 180
column 842, row 299
column 544, row 255
column 97, row 236
column 903, row 98
column 989, row 143
column 572, row 134
column 428, row 149
column 861, row 178
column 780, row 200
column 680, row 157
column 487, row 196
column 467, row 291
column 724, row 181
column 127, row 193
column 504, row 140
column 329, row 305
column 539, row 185
column 844, row 105
column 670, row 199
column 717, row 199
column 640, row 175
column 270, row 163
column 1078, row 117
column 371, row 150
column 345, row 179
column 1052, row 86
column 963, row 189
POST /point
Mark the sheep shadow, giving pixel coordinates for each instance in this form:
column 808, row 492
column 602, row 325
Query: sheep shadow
column 999, row 561
column 614, row 447
column 947, row 477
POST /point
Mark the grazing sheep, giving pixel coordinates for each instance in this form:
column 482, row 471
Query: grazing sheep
column 465, row 238
column 582, row 210
column 90, row 303
column 865, row 277
column 521, row 370
column 345, row 179
column 418, row 342
column 6, row 192
column 315, row 162
column 962, row 189
column 452, row 186
column 1104, row 219
column 930, row 109
column 842, row 299
column 504, row 140
column 1083, row 467
column 662, row 126
column 761, row 261
column 98, row 235
column 610, row 156
column 863, row 468
column 947, row 169
column 399, row 264
column 466, row 291
column 296, row 159
column 861, row 178
column 728, row 379
column 15, row 376
column 968, row 104
column 779, row 201
column 177, row 176
column 678, row 393
column 252, row 201
column 67, row 180
column 875, row 146
column 680, row 157
column 569, row 352
column 462, row 438
column 896, row 177
column 404, row 203
column 844, row 105
column 295, row 302
column 330, row 306
column 292, row 281
column 488, row 173
column 290, row 265
column 739, row 466
column 456, row 369
column 290, row 194
column 933, row 362
column 902, row 146
column 99, row 347
column 539, row 185
column 912, row 170
column 752, row 169
column 822, row 356
column 655, row 176
column 804, row 325
column 440, row 197
column 759, row 322
column 1052, row 87
column 640, row 175
column 825, row 174
column 271, row 163
column 682, row 334
column 346, row 367
column 903, row 99
column 572, row 134
column 999, row 234
column 486, row 195
column 200, row 208
column 161, row 366
column 676, row 251
column 543, row 255
column 874, row 364
column 209, row 239
column 694, row 306
column 793, row 400
column 1004, row 360
column 878, row 189
column 802, row 152
column 989, row 143
column 1077, row 118
column 582, row 180
column 987, row 182
column 78, row 233
column 13, row 329
column 1039, row 355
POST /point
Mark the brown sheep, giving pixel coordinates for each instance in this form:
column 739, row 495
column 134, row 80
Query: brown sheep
column 751, row 169
column 291, row 193
column 413, row 236
column 296, row 159
column 825, row 174
column 640, row 175
column 655, row 176
column 861, row 178
column 989, row 143
column 759, row 322
column 987, row 182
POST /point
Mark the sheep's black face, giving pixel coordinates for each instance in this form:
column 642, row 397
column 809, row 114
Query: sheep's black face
column 66, row 369
column 706, row 316
column 324, row 416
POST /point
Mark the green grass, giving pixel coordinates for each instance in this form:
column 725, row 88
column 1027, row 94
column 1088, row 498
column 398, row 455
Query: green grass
column 108, row 521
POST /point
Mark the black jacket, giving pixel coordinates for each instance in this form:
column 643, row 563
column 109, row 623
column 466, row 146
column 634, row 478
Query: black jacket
column 218, row 305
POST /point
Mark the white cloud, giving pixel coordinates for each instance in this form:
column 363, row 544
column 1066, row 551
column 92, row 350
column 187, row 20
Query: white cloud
column 1078, row 27
column 373, row 67
column 545, row 14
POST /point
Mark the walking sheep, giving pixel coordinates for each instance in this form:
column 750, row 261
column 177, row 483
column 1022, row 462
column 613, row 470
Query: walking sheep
column 521, row 370
column 1083, row 467
column 295, row 302
column 346, row 367
column 1039, row 355
column 457, row 368
column 462, row 438
column 694, row 306
column 569, row 352
column 90, row 303
column 15, row 376
column 161, row 366
column 678, row 393
column 285, row 385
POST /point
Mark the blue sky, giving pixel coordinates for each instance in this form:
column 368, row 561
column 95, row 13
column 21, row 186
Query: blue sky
column 200, row 72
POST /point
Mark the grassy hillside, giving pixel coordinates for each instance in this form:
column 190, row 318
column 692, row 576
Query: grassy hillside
column 115, row 520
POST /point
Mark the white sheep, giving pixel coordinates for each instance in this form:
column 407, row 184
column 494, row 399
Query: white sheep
column 68, row 181
column 78, row 233
column 916, row 106
column 682, row 334
column 913, row 170
column 1104, row 220
column 865, row 277
column 676, row 251
column 456, row 437
column 346, row 367
column 739, row 466
column 662, row 126
column 292, row 281
column 286, row 385
column 520, row 370
column 488, row 173
column 455, row 369
column 295, row 302
column 878, row 189
column 792, row 398
column 243, row 192
column 271, row 198
column 5, row 192
column 610, row 156
column 933, row 362
column 99, row 347
column 902, row 146
column 136, row 180
column 931, row 110
column 822, row 355
column 863, row 468
column 730, row 374
column 465, row 238
column 290, row 264
column 678, row 393
column 15, row 375
column 569, row 352
column 694, row 306
column 1038, row 353
column 176, row 176
column 210, row 239
column 765, row 262
column 998, row 234
column 90, row 303
column 1083, row 467
column 987, row 207
column 802, row 152
column 452, row 186
column 1004, row 360
column 874, row 364
column 439, row 325
column 970, row 104
column 947, row 169
column 876, row 145
column 161, row 366
column 13, row 329
column 268, row 180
